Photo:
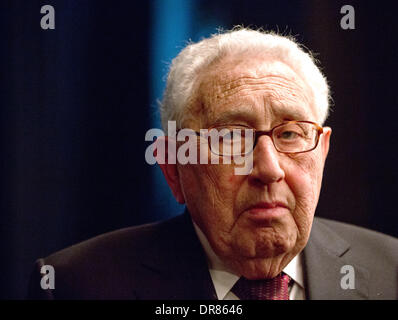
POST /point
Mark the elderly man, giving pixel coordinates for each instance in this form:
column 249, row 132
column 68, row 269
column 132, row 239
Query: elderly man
column 250, row 235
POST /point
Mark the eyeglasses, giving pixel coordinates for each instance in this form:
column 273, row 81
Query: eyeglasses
column 288, row 137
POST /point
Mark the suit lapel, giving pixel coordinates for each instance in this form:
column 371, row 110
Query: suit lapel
column 176, row 266
column 324, row 256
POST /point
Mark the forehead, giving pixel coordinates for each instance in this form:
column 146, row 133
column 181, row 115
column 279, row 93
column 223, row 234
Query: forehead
column 253, row 89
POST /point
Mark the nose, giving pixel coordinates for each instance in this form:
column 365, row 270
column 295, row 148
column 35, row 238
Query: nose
column 266, row 166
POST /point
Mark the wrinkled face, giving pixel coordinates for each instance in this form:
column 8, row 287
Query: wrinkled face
column 258, row 222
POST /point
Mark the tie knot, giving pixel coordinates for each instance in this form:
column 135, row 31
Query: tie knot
column 266, row 289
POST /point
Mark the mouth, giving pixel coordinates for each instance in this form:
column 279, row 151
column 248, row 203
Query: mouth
column 266, row 211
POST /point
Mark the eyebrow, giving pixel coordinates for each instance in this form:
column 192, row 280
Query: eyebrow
column 288, row 113
column 292, row 114
column 233, row 115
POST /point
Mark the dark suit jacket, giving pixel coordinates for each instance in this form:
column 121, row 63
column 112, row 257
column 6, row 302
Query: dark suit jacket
column 165, row 260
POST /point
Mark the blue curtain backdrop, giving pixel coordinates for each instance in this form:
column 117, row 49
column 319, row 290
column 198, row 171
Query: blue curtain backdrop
column 76, row 102
column 171, row 27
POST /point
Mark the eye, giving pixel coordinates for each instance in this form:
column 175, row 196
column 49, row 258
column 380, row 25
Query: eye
column 288, row 135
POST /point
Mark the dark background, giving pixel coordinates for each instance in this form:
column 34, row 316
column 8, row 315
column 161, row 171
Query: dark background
column 76, row 103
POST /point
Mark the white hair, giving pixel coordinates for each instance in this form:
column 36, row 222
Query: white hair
column 195, row 57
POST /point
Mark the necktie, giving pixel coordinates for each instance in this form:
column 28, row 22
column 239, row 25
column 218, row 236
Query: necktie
column 267, row 289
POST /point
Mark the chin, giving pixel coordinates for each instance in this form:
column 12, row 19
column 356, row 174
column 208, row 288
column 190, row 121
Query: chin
column 274, row 251
column 264, row 261
column 266, row 246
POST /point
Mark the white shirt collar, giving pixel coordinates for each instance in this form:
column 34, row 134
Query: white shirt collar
column 224, row 279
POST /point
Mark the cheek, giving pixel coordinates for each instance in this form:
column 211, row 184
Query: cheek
column 211, row 190
column 303, row 175
column 234, row 179
column 218, row 179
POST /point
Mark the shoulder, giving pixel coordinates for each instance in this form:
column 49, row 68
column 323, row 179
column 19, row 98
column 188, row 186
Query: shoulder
column 371, row 256
column 109, row 264
column 362, row 242
column 354, row 234
column 126, row 241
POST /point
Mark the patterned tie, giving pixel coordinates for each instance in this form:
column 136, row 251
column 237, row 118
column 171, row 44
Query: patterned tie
column 268, row 289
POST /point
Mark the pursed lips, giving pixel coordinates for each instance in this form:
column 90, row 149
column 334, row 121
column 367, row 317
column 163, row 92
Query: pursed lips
column 268, row 205
column 262, row 211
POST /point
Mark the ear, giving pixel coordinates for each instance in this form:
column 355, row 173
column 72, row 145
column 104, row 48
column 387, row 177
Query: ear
column 325, row 141
column 165, row 154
